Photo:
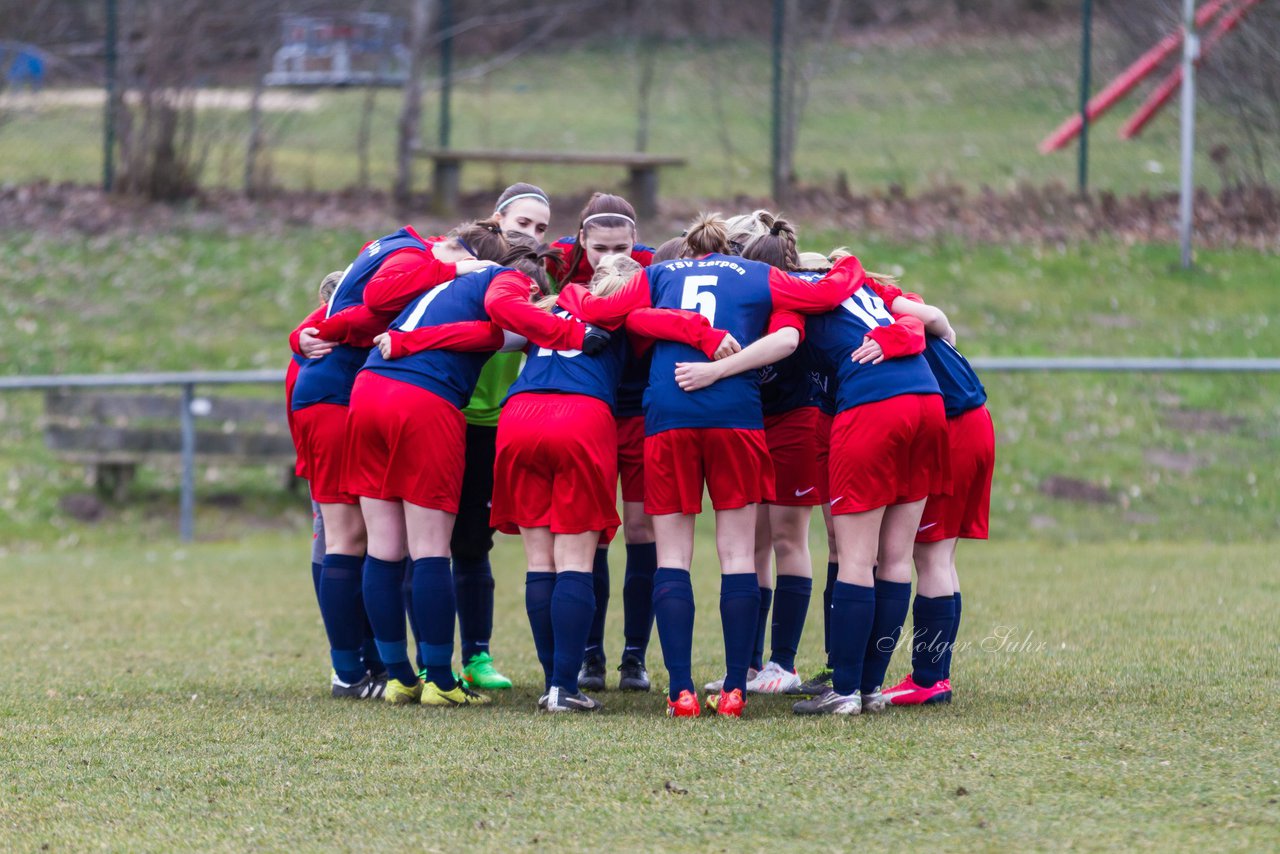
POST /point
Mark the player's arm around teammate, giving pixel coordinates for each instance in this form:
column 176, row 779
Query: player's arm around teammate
column 406, row 436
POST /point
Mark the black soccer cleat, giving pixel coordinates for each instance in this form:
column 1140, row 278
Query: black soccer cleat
column 591, row 676
column 634, row 676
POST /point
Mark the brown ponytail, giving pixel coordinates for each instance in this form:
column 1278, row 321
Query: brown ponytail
column 706, row 235
column 530, row 258
column 483, row 239
column 669, row 250
column 776, row 246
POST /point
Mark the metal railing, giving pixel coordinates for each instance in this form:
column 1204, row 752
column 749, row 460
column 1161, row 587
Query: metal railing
column 188, row 381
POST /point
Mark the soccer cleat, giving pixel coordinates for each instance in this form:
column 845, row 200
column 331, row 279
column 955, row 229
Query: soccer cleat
column 480, row 673
column 873, row 701
column 774, row 679
column 542, row 701
column 728, row 705
column 559, row 700
column 591, row 676
column 370, row 687
column 634, row 677
column 714, row 687
column 818, row 683
column 830, row 703
column 684, row 706
column 399, row 694
column 460, row 695
column 908, row 693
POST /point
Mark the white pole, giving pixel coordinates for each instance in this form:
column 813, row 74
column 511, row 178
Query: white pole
column 1190, row 53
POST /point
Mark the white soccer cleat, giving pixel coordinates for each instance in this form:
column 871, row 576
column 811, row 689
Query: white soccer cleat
column 774, row 679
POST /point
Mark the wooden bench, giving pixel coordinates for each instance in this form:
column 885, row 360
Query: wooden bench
column 115, row 432
column 642, row 170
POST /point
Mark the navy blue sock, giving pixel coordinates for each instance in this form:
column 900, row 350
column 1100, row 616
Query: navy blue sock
column 369, row 648
column 384, row 602
column 473, row 588
column 315, row 579
column 637, row 597
column 600, row 589
column 951, row 644
column 539, row 587
column 572, row 605
column 762, row 623
column 673, row 611
column 406, row 591
column 833, row 569
column 433, row 604
column 853, row 607
column 790, row 606
column 934, row 617
column 343, row 614
column 892, row 600
column 739, row 614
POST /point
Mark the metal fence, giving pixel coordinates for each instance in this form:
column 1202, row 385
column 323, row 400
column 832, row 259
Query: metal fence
column 187, row 382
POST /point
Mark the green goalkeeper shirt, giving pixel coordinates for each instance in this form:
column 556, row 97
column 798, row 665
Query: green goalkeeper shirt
column 495, row 381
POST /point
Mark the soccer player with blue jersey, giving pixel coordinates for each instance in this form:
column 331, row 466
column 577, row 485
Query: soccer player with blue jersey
column 405, row 458
column 607, row 226
column 319, row 403
column 712, row 436
column 556, row 473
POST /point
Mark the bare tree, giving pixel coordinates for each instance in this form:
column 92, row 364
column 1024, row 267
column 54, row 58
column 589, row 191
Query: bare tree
column 420, row 14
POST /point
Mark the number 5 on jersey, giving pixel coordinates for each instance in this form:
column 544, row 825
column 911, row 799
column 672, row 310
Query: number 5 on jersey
column 693, row 298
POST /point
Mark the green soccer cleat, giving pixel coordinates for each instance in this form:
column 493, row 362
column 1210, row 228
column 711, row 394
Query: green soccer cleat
column 399, row 694
column 480, row 673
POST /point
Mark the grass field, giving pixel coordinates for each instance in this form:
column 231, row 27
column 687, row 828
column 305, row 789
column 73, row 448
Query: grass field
column 1108, row 697
column 968, row 110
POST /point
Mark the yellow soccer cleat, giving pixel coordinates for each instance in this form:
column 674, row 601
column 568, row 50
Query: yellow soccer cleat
column 461, row 695
column 401, row 694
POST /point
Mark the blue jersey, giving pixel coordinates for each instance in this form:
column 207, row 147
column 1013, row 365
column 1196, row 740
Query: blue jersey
column 836, row 334
column 732, row 294
column 548, row 371
column 635, row 379
column 961, row 388
column 449, row 374
column 329, row 378
column 788, row 385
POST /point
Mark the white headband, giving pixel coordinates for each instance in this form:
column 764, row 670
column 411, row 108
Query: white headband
column 619, row 216
column 537, row 196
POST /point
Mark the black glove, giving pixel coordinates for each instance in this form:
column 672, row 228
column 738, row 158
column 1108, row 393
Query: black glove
column 594, row 340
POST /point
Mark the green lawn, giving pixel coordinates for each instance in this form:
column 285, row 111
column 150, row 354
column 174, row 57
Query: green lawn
column 1109, row 696
column 969, row 111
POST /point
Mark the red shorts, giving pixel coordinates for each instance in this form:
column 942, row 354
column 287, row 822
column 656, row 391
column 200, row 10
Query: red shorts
column 798, row 442
column 320, row 439
column 556, row 466
column 631, row 457
column 404, row 443
column 892, row 451
column 734, row 463
column 964, row 513
column 290, row 379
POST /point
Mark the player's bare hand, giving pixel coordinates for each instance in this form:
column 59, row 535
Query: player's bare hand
column 312, row 346
column 728, row 346
column 950, row 337
column 869, row 353
column 383, row 342
column 692, row 376
column 471, row 265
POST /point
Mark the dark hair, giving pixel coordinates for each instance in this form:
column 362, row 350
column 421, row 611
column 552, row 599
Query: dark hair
column 520, row 189
column 669, row 250
column 530, row 257
column 706, row 234
column 776, row 247
column 605, row 211
column 483, row 239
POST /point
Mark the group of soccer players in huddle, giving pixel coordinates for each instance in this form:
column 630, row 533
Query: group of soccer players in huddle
column 447, row 387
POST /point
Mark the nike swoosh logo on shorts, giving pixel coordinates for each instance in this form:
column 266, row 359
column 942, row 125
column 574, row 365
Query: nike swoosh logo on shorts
column 925, row 527
column 803, row 493
column 834, row 500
